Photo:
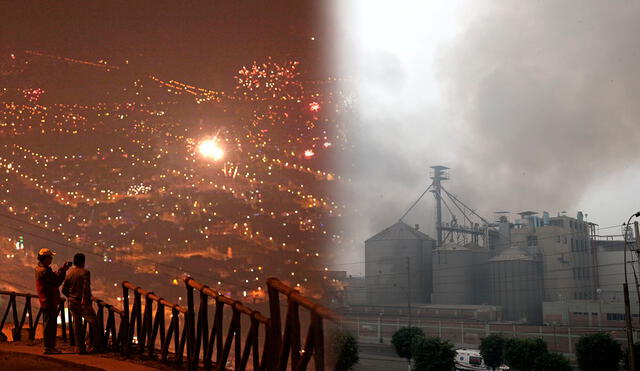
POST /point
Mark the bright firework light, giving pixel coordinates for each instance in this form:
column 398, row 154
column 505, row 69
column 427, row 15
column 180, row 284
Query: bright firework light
column 314, row 106
column 210, row 148
column 308, row 153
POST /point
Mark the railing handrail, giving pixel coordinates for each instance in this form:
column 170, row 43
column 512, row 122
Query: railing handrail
column 151, row 295
column 305, row 302
column 225, row 299
column 22, row 294
column 107, row 305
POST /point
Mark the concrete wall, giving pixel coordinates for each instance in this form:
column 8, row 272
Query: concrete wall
column 611, row 272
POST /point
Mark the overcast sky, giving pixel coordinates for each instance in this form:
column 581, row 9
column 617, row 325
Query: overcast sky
column 533, row 105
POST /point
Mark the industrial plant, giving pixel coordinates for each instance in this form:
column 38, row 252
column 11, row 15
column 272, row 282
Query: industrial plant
column 523, row 268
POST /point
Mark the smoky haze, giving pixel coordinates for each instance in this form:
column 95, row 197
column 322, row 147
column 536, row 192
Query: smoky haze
column 531, row 105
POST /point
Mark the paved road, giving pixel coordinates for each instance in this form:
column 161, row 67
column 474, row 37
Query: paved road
column 375, row 357
column 15, row 355
column 22, row 361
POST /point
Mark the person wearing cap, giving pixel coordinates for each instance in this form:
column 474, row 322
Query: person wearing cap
column 47, row 284
column 77, row 289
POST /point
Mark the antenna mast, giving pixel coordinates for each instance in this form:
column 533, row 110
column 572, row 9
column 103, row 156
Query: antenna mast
column 438, row 175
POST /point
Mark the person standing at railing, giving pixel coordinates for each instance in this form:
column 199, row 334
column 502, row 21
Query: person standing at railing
column 77, row 289
column 47, row 285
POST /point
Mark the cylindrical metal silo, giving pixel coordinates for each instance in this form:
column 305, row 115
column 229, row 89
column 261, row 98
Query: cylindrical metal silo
column 516, row 282
column 453, row 275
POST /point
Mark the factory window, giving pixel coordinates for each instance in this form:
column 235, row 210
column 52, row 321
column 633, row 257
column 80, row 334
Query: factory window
column 558, row 239
column 615, row 317
column 557, row 223
column 532, row 241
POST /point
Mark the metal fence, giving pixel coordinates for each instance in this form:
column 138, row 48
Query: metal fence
column 20, row 306
column 141, row 328
column 205, row 338
column 561, row 339
column 289, row 341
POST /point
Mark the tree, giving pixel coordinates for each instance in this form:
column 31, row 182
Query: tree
column 345, row 350
column 402, row 338
column 598, row 352
column 492, row 350
column 552, row 362
column 521, row 354
column 432, row 354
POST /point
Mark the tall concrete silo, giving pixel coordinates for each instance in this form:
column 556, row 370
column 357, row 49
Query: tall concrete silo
column 516, row 284
column 396, row 258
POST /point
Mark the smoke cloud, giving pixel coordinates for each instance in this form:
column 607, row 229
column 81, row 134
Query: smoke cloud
column 532, row 105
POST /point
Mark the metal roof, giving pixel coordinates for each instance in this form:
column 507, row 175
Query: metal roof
column 399, row 231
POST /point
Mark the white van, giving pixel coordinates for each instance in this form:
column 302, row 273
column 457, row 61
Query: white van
column 471, row 360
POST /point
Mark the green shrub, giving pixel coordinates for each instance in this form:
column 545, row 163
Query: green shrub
column 401, row 340
column 432, row 354
column 492, row 350
column 552, row 362
column 598, row 352
column 521, row 354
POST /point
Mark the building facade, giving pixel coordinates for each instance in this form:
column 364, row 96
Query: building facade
column 567, row 254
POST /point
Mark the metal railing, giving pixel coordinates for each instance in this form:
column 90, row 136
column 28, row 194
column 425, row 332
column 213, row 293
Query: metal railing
column 205, row 338
column 139, row 328
column 112, row 331
column 27, row 314
column 289, row 342
column 148, row 326
column 109, row 331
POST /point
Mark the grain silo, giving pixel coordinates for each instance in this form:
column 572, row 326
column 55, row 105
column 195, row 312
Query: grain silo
column 396, row 258
column 516, row 284
column 458, row 274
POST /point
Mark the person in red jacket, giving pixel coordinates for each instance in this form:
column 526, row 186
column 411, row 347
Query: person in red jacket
column 47, row 284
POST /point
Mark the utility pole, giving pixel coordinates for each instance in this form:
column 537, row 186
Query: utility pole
column 637, row 236
column 627, row 315
column 409, row 287
column 409, row 301
column 637, row 250
column 627, row 307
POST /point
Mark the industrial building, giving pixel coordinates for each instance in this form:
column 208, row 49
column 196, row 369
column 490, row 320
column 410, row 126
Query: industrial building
column 514, row 265
column 567, row 254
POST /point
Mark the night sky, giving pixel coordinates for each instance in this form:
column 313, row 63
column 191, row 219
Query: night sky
column 202, row 42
